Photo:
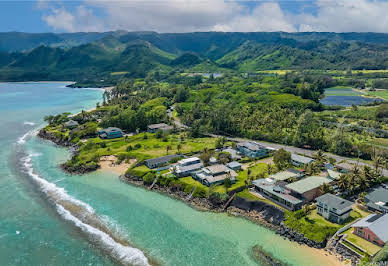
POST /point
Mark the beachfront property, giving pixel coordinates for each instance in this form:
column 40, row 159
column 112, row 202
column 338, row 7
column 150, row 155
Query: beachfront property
column 71, row 124
column 373, row 228
column 300, row 161
column 333, row 208
column 235, row 166
column 215, row 174
column 287, row 175
column 233, row 153
column 308, row 188
column 160, row 161
column 110, row 133
column 277, row 192
column 186, row 167
column 377, row 200
column 252, row 149
column 162, row 127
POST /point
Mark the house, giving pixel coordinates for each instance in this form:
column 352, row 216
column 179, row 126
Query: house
column 377, row 200
column 110, row 133
column 233, row 153
column 162, row 127
column 287, row 174
column 300, row 161
column 334, row 175
column 344, row 167
column 71, row 124
column 235, row 166
column 215, row 174
column 333, row 208
column 308, row 188
column 186, row 167
column 252, row 149
column 373, row 228
column 157, row 162
column 276, row 191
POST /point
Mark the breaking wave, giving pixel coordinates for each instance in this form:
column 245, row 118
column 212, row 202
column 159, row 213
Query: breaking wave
column 26, row 136
column 29, row 123
column 84, row 217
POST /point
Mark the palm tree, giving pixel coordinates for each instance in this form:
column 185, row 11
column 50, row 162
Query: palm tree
column 320, row 158
column 179, row 147
column 378, row 161
column 325, row 188
column 168, row 148
column 342, row 182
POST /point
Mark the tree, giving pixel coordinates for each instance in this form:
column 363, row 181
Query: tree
column 179, row 147
column 224, row 157
column 168, row 148
column 282, row 159
column 228, row 182
column 205, row 156
column 326, row 188
column 309, row 131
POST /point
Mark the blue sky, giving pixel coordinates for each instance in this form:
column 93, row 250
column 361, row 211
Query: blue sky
column 194, row 15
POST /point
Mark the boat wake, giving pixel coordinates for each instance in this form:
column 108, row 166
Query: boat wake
column 84, row 217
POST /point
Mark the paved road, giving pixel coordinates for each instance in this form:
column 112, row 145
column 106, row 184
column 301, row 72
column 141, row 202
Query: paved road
column 302, row 151
column 291, row 149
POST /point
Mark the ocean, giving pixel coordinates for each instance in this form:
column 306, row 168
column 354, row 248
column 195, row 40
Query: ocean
column 50, row 218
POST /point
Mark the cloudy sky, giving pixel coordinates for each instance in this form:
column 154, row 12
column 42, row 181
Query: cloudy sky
column 194, row 15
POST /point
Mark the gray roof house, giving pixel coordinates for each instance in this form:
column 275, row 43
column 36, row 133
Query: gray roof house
column 333, row 208
column 286, row 174
column 234, row 165
column 161, row 126
column 215, row 174
column 233, row 153
column 377, row 200
column 71, row 124
column 309, row 187
column 156, row 162
column 275, row 191
column 373, row 228
column 299, row 160
column 186, row 167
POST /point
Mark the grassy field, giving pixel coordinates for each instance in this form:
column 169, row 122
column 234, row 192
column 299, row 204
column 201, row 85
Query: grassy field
column 278, row 72
column 369, row 247
column 118, row 73
column 381, row 94
column 140, row 148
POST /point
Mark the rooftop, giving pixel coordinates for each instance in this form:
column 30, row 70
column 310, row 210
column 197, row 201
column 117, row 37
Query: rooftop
column 253, row 146
column 163, row 159
column 232, row 152
column 301, row 159
column 334, row 201
column 234, row 164
column 110, row 129
column 188, row 160
column 377, row 223
column 273, row 187
column 284, row 175
column 333, row 174
column 217, row 168
column 378, row 198
column 157, row 126
column 308, row 183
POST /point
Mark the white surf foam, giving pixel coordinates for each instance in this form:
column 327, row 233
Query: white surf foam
column 29, row 123
column 26, row 136
column 125, row 254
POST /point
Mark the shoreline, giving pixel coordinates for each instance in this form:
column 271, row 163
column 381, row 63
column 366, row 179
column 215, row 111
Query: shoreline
column 204, row 204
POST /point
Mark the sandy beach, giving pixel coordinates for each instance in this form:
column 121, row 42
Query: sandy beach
column 109, row 163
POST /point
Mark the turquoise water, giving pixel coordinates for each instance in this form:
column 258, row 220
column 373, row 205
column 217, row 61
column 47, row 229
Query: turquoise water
column 50, row 218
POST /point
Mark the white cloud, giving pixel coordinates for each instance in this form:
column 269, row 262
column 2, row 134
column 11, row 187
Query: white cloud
column 82, row 19
column 347, row 16
column 173, row 16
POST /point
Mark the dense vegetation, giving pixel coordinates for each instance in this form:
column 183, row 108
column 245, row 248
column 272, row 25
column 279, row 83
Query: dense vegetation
column 104, row 58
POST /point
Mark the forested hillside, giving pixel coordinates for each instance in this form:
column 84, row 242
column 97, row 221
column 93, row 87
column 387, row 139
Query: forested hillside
column 111, row 56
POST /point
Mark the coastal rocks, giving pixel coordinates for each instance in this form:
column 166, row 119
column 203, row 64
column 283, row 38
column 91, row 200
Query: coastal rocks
column 44, row 134
column 80, row 169
column 299, row 238
column 265, row 258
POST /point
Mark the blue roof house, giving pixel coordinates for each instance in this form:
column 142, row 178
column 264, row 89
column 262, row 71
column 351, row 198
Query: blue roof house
column 110, row 133
column 252, row 149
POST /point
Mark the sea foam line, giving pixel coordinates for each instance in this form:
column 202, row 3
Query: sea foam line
column 124, row 254
column 29, row 134
column 29, row 123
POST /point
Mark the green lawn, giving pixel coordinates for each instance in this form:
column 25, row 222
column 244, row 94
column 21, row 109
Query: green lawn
column 258, row 169
column 369, row 247
column 382, row 94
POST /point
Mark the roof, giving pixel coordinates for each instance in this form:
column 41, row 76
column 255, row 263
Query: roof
column 234, row 164
column 110, row 129
column 377, row 223
column 308, row 183
column 159, row 160
column 334, row 202
column 301, row 159
column 273, row 187
column 159, row 126
column 71, row 123
column 217, row 168
column 253, row 146
column 333, row 174
column 188, row 168
column 378, row 198
column 284, row 175
column 346, row 166
column 188, row 160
